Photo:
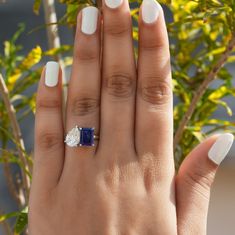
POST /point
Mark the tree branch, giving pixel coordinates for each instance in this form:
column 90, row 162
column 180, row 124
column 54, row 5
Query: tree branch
column 99, row 4
column 10, row 181
column 52, row 29
column 18, row 136
column 201, row 90
column 9, row 178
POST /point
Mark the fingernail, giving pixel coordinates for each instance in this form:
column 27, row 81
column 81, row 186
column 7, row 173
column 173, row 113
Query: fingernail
column 150, row 11
column 113, row 3
column 51, row 74
column 89, row 20
column 220, row 148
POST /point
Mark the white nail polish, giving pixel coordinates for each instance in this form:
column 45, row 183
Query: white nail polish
column 89, row 20
column 113, row 3
column 220, row 148
column 51, row 74
column 150, row 10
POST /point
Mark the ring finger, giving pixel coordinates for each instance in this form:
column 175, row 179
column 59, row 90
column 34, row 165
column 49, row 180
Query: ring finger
column 84, row 86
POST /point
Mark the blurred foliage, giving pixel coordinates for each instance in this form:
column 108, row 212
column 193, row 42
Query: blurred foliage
column 199, row 32
column 20, row 74
column 21, row 220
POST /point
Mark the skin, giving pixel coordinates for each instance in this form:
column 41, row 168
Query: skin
column 126, row 184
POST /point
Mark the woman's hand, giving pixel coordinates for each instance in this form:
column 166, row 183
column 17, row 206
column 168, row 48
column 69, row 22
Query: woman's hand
column 125, row 184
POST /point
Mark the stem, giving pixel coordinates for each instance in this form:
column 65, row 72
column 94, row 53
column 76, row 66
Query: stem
column 217, row 128
column 6, row 228
column 10, row 181
column 52, row 29
column 18, row 136
column 99, row 4
column 201, row 90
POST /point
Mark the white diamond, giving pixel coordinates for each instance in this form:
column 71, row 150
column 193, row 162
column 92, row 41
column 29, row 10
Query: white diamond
column 73, row 137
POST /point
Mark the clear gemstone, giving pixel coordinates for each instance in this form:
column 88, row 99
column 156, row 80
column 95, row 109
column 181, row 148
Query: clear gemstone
column 73, row 137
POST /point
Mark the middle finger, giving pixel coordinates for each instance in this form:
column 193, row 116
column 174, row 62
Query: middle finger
column 119, row 76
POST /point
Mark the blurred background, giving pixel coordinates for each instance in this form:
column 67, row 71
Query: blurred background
column 221, row 220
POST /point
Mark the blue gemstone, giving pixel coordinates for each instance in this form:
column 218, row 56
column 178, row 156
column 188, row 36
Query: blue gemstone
column 87, row 137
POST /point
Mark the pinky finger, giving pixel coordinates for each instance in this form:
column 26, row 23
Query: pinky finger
column 49, row 146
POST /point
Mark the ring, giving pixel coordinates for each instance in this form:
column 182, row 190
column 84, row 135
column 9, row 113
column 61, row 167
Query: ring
column 81, row 136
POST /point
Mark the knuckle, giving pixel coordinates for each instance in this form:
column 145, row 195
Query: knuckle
column 151, row 172
column 154, row 45
column 49, row 141
column 117, row 28
column 116, row 176
column 120, row 85
column 47, row 103
column 156, row 92
column 200, row 181
column 86, row 54
column 82, row 106
column 112, row 179
column 150, row 179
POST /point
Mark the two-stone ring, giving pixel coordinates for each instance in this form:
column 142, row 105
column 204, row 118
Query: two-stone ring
column 81, row 136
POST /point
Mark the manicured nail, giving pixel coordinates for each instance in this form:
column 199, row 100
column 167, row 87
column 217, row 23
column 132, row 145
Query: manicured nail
column 113, row 3
column 51, row 74
column 220, row 148
column 89, row 20
column 150, row 11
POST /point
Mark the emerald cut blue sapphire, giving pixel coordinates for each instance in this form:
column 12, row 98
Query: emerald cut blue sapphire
column 87, row 136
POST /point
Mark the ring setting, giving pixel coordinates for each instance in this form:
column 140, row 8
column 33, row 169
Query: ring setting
column 81, row 136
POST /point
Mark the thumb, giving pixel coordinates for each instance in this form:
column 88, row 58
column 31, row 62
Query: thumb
column 194, row 181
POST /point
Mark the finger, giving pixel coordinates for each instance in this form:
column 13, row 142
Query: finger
column 49, row 146
column 119, row 76
column 84, row 87
column 194, row 181
column 154, row 115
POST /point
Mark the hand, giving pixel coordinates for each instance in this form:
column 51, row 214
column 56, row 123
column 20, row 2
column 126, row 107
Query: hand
column 126, row 183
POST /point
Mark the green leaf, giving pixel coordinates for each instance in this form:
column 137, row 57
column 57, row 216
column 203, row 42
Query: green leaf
column 36, row 6
column 221, row 122
column 220, row 93
column 33, row 57
column 56, row 51
column 199, row 135
column 231, row 59
column 165, row 1
column 68, row 1
column 18, row 32
column 225, row 105
column 21, row 222
column 8, row 216
column 217, row 51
